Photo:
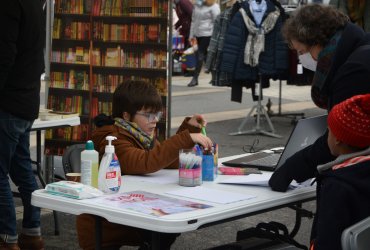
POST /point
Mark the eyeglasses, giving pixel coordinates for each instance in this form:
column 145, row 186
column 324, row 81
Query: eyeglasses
column 151, row 116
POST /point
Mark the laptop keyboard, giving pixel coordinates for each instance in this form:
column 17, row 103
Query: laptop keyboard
column 270, row 160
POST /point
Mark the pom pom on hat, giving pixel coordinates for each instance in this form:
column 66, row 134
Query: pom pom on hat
column 349, row 121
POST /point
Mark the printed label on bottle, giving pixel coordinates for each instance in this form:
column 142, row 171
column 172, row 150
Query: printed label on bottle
column 86, row 167
column 113, row 176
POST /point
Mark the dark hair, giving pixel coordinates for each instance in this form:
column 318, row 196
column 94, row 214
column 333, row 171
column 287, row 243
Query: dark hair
column 133, row 95
column 314, row 24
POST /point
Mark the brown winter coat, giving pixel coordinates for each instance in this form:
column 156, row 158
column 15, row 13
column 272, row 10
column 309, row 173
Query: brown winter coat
column 134, row 159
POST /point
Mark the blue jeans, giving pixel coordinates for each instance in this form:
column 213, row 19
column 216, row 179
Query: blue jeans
column 15, row 161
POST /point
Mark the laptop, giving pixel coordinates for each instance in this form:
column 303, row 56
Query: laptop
column 305, row 133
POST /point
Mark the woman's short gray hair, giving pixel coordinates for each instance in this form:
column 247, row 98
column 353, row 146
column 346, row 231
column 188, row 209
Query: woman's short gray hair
column 314, row 24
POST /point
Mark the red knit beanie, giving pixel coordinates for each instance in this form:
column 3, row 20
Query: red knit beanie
column 349, row 121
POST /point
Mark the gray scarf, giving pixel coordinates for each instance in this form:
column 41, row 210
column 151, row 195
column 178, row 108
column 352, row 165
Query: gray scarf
column 256, row 37
column 341, row 159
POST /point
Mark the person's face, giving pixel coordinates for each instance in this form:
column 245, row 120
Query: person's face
column 147, row 120
column 333, row 144
column 302, row 48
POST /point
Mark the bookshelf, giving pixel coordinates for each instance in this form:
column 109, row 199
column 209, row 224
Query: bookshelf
column 97, row 44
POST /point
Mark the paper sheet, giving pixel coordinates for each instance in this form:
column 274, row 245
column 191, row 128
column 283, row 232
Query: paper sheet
column 260, row 180
column 160, row 177
column 210, row 195
column 252, row 179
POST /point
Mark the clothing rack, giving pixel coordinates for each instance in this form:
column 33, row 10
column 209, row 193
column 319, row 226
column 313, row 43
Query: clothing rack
column 293, row 116
column 260, row 110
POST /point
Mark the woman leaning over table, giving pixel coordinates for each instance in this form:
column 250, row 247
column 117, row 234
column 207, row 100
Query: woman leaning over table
column 136, row 109
column 339, row 53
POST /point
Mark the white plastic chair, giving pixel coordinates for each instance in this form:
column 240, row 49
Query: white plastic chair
column 357, row 236
column 71, row 159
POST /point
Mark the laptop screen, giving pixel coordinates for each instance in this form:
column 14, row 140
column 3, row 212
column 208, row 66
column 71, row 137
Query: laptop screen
column 305, row 133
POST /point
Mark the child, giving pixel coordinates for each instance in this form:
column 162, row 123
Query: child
column 343, row 190
column 136, row 109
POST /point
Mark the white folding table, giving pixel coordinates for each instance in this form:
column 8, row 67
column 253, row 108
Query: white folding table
column 265, row 200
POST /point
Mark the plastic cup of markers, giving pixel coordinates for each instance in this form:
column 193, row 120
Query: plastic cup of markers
column 190, row 168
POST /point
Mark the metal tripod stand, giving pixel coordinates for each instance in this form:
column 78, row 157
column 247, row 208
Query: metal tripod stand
column 291, row 115
column 260, row 110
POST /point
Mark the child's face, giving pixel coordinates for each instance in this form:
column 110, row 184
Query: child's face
column 333, row 144
column 147, row 120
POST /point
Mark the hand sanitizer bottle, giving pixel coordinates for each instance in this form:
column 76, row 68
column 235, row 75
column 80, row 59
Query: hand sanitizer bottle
column 89, row 165
column 109, row 180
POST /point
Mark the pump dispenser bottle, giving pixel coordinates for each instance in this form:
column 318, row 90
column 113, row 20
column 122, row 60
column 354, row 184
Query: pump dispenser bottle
column 89, row 165
column 109, row 171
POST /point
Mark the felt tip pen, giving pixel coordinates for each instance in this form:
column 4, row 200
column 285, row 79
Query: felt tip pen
column 198, row 150
column 203, row 130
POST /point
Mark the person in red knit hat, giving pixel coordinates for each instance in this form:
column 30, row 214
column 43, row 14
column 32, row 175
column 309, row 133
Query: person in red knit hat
column 349, row 125
column 343, row 196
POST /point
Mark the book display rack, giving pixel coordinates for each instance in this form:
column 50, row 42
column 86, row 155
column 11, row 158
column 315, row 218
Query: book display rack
column 96, row 45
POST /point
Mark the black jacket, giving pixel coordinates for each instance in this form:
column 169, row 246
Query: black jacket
column 272, row 61
column 22, row 40
column 343, row 199
column 349, row 76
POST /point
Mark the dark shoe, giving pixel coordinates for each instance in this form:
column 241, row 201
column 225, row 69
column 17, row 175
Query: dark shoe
column 188, row 74
column 193, row 82
column 27, row 242
column 8, row 246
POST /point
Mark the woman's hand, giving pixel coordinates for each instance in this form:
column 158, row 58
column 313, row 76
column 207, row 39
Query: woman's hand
column 202, row 140
column 197, row 121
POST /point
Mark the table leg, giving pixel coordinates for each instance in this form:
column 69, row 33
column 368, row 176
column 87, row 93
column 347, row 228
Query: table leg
column 300, row 212
column 98, row 232
column 38, row 158
column 155, row 241
column 49, row 169
column 298, row 220
column 41, row 178
column 56, row 222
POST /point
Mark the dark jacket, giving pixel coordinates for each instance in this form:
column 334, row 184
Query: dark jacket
column 349, row 76
column 22, row 40
column 184, row 11
column 273, row 61
column 133, row 159
column 343, row 199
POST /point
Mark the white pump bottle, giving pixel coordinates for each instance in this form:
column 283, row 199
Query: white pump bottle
column 109, row 180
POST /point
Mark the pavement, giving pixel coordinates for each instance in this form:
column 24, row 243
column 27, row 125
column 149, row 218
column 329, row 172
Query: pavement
column 224, row 117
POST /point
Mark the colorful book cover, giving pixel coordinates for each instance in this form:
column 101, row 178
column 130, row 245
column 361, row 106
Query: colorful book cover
column 112, row 57
column 79, row 54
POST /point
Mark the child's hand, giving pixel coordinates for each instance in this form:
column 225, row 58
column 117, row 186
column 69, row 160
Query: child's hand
column 202, row 140
column 197, row 121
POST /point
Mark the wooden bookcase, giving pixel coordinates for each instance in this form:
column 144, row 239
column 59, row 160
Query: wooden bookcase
column 96, row 44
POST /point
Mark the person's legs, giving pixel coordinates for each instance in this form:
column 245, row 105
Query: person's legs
column 201, row 54
column 15, row 161
column 22, row 175
column 11, row 129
